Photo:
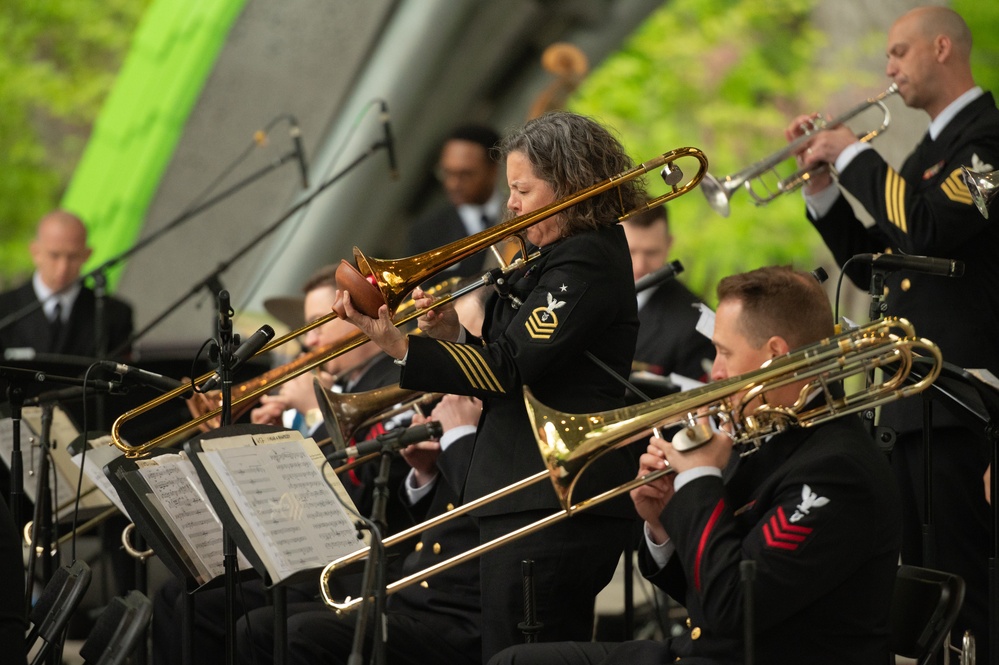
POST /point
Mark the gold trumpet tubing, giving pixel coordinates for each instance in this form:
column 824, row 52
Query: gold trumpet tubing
column 349, row 604
column 394, row 278
column 400, row 536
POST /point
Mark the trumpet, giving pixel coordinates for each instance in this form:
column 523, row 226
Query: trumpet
column 394, row 279
column 570, row 443
column 983, row 187
column 719, row 191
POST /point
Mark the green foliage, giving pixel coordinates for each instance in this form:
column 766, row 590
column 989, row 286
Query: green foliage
column 59, row 60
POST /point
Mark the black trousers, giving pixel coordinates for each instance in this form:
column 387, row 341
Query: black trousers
column 961, row 518
column 316, row 634
column 573, row 560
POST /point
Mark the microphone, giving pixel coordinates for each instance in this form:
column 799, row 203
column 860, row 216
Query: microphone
column 926, row 264
column 296, row 136
column 389, row 143
column 256, row 342
column 141, row 376
column 667, row 272
column 397, row 439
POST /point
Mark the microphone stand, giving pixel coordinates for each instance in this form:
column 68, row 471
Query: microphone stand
column 223, row 350
column 374, row 574
column 211, row 281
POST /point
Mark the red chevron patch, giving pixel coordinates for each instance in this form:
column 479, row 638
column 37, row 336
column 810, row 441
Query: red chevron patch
column 780, row 533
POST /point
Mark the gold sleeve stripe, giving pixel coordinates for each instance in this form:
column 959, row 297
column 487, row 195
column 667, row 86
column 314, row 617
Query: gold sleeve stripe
column 955, row 189
column 895, row 200
column 474, row 366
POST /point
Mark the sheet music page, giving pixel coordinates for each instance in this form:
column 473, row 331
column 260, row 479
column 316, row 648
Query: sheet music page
column 96, row 459
column 181, row 497
column 64, row 472
column 286, row 504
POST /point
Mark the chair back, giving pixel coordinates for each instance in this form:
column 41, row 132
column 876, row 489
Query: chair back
column 118, row 631
column 924, row 607
column 51, row 613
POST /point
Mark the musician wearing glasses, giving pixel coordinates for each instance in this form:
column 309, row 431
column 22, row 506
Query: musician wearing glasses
column 925, row 208
column 577, row 299
column 814, row 508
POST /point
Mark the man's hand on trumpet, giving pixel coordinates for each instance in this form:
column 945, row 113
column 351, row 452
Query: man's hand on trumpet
column 823, row 148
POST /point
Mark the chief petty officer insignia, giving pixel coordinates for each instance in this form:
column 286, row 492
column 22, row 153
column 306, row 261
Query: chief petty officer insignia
column 543, row 320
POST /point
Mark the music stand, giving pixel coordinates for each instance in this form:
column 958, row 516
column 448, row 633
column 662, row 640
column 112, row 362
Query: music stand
column 977, row 402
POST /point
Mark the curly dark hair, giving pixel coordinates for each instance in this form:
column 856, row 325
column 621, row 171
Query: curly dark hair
column 571, row 152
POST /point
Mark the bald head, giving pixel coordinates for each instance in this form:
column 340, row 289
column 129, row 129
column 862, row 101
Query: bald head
column 59, row 249
column 929, row 58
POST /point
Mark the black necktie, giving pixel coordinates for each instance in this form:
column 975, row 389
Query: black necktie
column 55, row 328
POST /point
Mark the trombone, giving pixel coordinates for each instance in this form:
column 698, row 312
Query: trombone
column 394, row 279
column 719, row 191
column 570, row 443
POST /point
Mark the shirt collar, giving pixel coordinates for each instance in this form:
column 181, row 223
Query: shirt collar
column 49, row 298
column 955, row 107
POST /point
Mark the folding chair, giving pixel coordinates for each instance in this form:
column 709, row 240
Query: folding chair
column 924, row 606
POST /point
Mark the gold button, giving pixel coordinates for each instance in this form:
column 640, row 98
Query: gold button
column 424, row 584
column 688, row 622
column 906, row 284
column 450, row 506
column 886, row 290
column 695, row 633
column 419, row 547
column 437, row 548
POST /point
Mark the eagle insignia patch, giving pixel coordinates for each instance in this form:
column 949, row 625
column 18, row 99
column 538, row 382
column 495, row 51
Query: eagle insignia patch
column 543, row 320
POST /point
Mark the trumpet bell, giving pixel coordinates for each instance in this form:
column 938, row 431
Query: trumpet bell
column 719, row 192
column 983, row 187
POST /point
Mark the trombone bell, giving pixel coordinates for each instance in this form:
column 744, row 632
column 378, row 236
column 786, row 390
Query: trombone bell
column 982, row 187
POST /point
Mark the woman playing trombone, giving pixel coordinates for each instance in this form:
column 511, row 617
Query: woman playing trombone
column 573, row 303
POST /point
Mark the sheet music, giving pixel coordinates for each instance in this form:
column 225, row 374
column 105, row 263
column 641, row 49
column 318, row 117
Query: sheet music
column 96, row 459
column 180, row 498
column 284, row 502
column 64, row 473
